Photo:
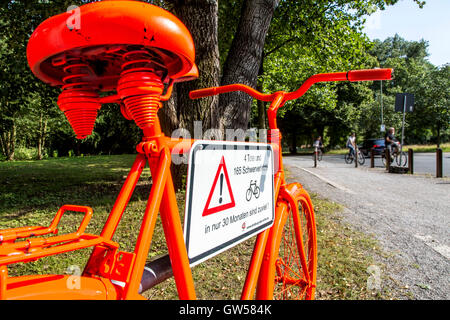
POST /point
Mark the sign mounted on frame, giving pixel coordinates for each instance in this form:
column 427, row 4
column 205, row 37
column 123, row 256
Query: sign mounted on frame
column 229, row 196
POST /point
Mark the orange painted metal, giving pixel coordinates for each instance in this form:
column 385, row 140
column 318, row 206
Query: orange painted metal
column 144, row 50
column 173, row 231
column 99, row 31
column 148, row 223
column 129, row 46
column 59, row 287
column 254, row 269
column 285, row 199
column 265, row 287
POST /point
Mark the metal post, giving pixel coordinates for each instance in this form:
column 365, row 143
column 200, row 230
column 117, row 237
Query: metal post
column 387, row 154
column 381, row 101
column 411, row 161
column 403, row 126
column 315, row 157
column 372, row 158
column 438, row 163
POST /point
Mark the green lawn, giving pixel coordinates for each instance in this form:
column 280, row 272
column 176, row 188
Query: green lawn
column 32, row 191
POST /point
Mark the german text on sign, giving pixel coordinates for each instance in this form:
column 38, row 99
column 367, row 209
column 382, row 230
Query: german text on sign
column 229, row 196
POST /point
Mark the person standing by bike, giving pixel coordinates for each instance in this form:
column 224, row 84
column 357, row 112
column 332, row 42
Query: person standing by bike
column 391, row 142
column 351, row 144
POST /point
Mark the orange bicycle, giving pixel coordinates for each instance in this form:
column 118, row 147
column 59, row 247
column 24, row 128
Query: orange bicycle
column 140, row 51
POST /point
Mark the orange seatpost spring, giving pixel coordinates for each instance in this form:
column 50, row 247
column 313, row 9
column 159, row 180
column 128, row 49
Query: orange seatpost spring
column 79, row 100
column 140, row 88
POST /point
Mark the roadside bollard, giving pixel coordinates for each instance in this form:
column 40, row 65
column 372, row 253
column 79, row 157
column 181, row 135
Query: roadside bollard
column 372, row 158
column 356, row 155
column 411, row 161
column 438, row 163
column 388, row 158
column 315, row 157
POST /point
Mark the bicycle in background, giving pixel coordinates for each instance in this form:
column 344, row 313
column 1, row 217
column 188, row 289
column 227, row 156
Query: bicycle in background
column 350, row 157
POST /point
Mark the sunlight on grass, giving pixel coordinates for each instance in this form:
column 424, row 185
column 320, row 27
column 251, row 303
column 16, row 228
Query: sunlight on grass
column 32, row 192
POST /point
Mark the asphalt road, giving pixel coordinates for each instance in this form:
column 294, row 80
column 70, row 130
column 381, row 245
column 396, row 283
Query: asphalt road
column 407, row 214
column 424, row 163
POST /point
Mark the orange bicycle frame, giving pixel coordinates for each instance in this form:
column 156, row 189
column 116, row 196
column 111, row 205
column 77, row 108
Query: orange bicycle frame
column 113, row 274
column 140, row 51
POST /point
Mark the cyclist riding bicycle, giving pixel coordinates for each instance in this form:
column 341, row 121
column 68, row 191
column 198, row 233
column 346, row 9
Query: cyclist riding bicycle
column 391, row 142
column 318, row 143
column 351, row 144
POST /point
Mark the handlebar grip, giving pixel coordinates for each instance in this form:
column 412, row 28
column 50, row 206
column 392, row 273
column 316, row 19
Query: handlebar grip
column 201, row 93
column 369, row 75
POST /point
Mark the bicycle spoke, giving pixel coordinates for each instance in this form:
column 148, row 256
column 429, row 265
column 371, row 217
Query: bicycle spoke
column 291, row 279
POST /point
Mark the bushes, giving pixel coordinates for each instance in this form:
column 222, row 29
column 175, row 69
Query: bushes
column 24, row 153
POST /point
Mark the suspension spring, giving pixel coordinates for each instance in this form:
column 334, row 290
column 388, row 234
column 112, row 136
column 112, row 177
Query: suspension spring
column 79, row 99
column 140, row 88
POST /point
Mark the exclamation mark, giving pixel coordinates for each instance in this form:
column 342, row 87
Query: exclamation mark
column 221, row 187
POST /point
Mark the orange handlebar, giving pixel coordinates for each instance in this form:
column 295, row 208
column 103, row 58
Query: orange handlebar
column 201, row 93
column 353, row 75
column 369, row 75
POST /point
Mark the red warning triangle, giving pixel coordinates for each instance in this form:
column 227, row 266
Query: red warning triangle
column 220, row 192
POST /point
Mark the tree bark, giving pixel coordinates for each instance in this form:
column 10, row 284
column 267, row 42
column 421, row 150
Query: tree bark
column 42, row 136
column 261, row 104
column 243, row 63
column 12, row 142
column 201, row 19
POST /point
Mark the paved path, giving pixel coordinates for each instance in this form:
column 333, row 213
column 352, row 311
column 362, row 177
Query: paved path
column 424, row 163
column 409, row 215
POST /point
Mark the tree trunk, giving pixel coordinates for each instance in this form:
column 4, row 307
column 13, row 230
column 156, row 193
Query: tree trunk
column 12, row 143
column 201, row 19
column 3, row 143
column 41, row 137
column 261, row 104
column 243, row 63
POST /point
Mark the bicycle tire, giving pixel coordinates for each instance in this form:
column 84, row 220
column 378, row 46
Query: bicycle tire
column 348, row 159
column 319, row 155
column 404, row 160
column 257, row 192
column 248, row 195
column 286, row 275
column 361, row 159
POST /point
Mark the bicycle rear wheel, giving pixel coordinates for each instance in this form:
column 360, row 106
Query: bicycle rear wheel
column 290, row 271
column 348, row 158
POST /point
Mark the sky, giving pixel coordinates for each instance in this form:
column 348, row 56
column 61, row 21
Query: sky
column 432, row 23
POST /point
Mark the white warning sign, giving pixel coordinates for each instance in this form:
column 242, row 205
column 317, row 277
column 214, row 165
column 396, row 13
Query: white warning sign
column 229, row 196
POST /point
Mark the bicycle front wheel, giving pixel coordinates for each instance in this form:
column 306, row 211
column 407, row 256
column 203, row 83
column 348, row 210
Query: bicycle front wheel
column 361, row 159
column 403, row 160
column 290, row 271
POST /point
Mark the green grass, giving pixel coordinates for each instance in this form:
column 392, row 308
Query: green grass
column 32, row 191
column 428, row 148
